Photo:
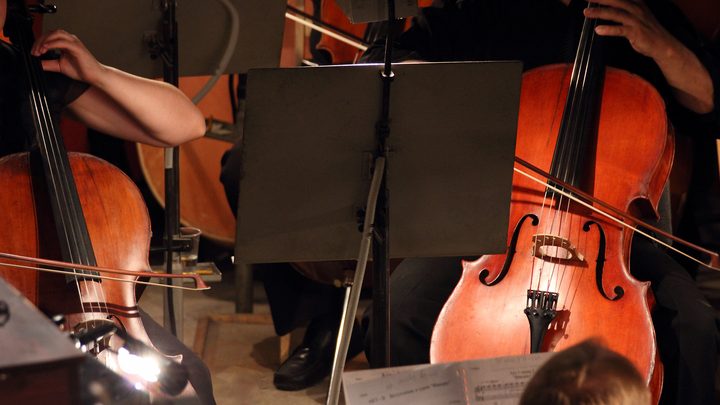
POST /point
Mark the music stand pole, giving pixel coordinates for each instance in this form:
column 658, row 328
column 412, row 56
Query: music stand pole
column 171, row 75
column 380, row 339
column 376, row 230
column 353, row 288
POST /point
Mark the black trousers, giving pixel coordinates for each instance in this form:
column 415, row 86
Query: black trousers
column 295, row 300
column 165, row 342
column 685, row 322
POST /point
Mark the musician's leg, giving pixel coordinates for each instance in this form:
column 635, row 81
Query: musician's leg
column 686, row 326
column 418, row 290
column 165, row 342
column 296, row 301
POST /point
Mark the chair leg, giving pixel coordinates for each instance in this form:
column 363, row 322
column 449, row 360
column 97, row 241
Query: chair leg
column 243, row 288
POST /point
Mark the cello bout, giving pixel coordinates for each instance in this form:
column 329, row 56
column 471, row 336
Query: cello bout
column 565, row 277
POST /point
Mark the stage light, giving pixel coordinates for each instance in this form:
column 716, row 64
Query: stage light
column 145, row 367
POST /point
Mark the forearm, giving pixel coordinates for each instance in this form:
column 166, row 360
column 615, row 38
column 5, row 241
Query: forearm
column 684, row 72
column 689, row 80
column 138, row 109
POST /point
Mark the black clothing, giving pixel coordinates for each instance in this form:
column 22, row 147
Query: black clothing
column 15, row 113
column 295, row 300
column 538, row 33
column 542, row 32
column 168, row 344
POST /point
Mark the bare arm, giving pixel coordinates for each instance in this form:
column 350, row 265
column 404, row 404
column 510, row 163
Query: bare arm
column 690, row 81
column 121, row 104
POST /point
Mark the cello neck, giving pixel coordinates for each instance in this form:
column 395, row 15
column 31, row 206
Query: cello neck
column 574, row 153
column 73, row 236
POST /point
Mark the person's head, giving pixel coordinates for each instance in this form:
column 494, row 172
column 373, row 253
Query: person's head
column 587, row 374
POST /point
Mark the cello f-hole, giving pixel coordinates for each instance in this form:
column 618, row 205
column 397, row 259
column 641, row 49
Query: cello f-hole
column 485, row 273
column 600, row 263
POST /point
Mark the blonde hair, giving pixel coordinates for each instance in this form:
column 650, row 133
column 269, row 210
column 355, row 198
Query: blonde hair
column 587, row 374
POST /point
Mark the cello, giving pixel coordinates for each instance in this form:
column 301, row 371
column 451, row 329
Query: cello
column 76, row 208
column 565, row 276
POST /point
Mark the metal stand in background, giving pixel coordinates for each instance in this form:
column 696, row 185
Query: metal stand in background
column 376, row 228
column 168, row 52
column 352, row 289
column 380, row 338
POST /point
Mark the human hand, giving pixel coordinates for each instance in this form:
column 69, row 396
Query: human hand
column 688, row 78
column 636, row 23
column 75, row 59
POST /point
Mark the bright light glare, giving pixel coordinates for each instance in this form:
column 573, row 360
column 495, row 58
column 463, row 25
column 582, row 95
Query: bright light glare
column 145, row 367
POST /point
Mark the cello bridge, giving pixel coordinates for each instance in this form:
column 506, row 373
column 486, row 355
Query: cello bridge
column 555, row 249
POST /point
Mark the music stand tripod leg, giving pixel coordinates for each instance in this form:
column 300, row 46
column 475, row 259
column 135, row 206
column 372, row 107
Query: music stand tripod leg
column 352, row 291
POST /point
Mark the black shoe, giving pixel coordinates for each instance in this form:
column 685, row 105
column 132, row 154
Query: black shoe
column 311, row 362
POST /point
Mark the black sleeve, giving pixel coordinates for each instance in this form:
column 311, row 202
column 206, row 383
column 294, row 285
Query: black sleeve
column 686, row 121
column 419, row 42
column 61, row 90
column 16, row 119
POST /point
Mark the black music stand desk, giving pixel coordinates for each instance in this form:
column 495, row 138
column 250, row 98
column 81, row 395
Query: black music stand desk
column 118, row 33
column 309, row 135
column 308, row 153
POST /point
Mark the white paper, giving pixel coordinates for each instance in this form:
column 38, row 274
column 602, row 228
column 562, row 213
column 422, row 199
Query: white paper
column 497, row 381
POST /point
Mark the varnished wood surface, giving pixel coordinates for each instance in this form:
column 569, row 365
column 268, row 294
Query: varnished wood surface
column 632, row 162
column 117, row 222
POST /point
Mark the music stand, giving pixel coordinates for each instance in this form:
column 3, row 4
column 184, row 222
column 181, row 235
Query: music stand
column 360, row 11
column 137, row 28
column 305, row 176
column 118, row 33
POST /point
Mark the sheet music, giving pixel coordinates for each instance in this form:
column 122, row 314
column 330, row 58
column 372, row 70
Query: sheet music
column 497, row 381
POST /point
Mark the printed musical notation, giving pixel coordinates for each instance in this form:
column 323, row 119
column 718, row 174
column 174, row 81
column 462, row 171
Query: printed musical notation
column 499, row 391
column 498, row 381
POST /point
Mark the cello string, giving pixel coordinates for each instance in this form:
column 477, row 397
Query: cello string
column 41, row 123
column 560, row 161
column 67, row 201
column 70, row 204
column 533, row 252
column 549, row 199
column 589, row 110
column 581, row 106
column 578, row 143
column 571, row 143
column 619, row 221
column 60, row 193
column 78, row 234
column 571, row 148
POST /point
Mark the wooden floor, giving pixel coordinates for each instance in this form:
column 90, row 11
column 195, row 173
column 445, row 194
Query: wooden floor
column 241, row 351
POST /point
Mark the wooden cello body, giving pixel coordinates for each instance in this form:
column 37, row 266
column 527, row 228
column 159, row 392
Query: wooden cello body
column 119, row 229
column 565, row 263
column 77, row 209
